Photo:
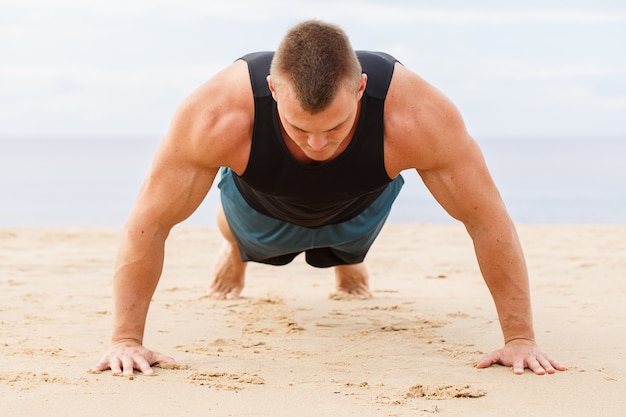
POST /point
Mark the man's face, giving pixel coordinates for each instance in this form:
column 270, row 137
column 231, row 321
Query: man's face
column 324, row 135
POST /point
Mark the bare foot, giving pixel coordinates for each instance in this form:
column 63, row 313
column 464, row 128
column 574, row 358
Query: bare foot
column 228, row 274
column 353, row 281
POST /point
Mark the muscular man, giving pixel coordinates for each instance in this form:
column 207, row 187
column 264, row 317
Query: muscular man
column 310, row 159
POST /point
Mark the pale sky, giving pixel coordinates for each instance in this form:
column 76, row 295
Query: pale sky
column 113, row 67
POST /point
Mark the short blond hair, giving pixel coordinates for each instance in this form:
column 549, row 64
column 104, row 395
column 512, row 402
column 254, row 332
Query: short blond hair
column 316, row 59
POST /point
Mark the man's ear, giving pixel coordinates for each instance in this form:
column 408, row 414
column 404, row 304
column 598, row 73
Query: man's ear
column 271, row 86
column 362, row 85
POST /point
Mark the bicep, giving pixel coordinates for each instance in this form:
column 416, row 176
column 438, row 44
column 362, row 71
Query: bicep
column 174, row 187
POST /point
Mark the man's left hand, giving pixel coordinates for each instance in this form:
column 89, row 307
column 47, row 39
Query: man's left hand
column 522, row 354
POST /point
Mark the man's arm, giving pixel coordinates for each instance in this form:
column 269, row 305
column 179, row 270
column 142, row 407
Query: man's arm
column 465, row 189
column 211, row 129
column 453, row 168
column 173, row 189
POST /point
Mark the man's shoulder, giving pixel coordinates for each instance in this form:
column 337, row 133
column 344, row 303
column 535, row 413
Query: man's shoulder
column 417, row 100
column 216, row 120
column 225, row 90
column 421, row 123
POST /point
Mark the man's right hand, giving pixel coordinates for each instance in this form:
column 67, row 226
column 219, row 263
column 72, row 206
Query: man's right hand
column 125, row 356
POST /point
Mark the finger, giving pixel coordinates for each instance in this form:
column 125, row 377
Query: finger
column 128, row 365
column 536, row 367
column 115, row 366
column 555, row 364
column 518, row 366
column 166, row 359
column 487, row 361
column 545, row 363
column 143, row 365
column 103, row 365
column 558, row 365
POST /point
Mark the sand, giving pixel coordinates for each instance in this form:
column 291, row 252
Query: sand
column 288, row 348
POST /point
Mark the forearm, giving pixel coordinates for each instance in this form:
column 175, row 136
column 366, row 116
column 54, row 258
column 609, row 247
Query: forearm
column 503, row 267
column 138, row 269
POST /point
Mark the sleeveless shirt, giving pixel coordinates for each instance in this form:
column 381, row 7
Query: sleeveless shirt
column 275, row 184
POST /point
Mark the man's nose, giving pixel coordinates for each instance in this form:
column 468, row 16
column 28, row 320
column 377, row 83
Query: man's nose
column 317, row 142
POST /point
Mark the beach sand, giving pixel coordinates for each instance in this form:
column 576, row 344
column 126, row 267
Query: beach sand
column 288, row 348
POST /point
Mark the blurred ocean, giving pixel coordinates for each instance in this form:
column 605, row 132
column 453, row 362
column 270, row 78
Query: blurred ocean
column 93, row 181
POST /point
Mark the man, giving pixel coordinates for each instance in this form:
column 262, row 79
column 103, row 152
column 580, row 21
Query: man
column 311, row 157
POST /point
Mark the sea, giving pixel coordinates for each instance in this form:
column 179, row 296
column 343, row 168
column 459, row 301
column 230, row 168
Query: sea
column 93, row 181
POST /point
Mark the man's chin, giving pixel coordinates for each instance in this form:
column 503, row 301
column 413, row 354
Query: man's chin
column 320, row 157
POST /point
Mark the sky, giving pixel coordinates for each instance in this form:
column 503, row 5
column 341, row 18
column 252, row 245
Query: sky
column 121, row 68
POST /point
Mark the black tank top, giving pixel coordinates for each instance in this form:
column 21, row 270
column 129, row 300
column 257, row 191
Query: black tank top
column 277, row 185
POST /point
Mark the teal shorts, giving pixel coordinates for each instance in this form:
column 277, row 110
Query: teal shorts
column 267, row 240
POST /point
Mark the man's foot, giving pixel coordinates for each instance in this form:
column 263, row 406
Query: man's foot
column 352, row 281
column 228, row 274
